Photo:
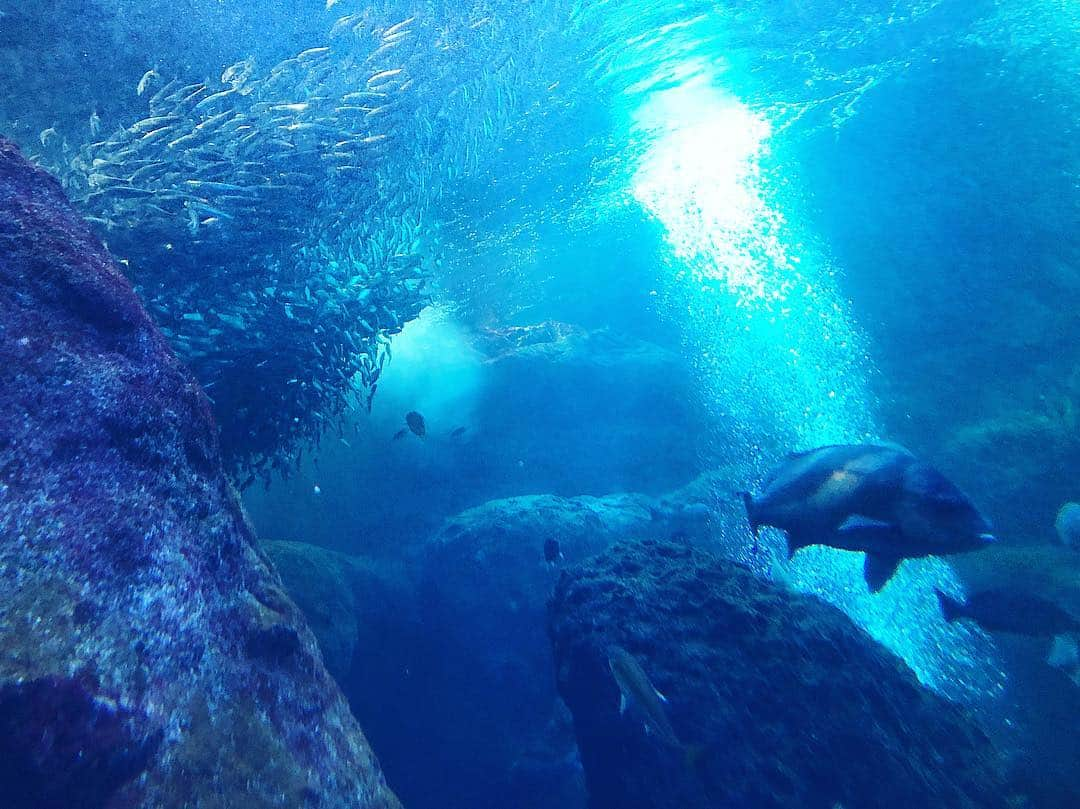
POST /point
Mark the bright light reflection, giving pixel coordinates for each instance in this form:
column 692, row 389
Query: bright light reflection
column 700, row 181
column 782, row 363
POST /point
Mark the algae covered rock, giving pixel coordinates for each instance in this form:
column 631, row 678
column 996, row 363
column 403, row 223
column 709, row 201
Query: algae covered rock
column 485, row 583
column 777, row 699
column 148, row 654
column 486, row 579
column 1020, row 467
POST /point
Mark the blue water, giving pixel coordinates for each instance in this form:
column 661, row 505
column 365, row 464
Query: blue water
column 831, row 221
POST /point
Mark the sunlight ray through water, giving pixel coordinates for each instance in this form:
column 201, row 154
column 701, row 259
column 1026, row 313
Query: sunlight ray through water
column 780, row 357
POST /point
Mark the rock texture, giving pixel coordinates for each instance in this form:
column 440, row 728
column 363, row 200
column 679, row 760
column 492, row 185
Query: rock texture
column 148, row 655
column 781, row 699
column 484, row 589
column 347, row 600
column 1021, row 466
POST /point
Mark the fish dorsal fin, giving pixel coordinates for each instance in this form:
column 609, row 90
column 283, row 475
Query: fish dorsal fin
column 878, row 569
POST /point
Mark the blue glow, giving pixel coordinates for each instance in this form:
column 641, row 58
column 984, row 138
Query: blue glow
column 781, row 358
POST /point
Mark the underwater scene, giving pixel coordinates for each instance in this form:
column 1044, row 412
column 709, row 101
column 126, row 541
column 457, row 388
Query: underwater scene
column 622, row 404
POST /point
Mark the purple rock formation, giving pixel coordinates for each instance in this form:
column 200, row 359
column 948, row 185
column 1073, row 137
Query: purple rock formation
column 141, row 630
column 776, row 700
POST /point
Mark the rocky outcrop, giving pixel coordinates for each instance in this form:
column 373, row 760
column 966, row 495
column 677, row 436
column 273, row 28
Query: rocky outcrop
column 148, row 654
column 494, row 556
column 777, row 699
column 346, row 599
column 485, row 584
column 1025, row 456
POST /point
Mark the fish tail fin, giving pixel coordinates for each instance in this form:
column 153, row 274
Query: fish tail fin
column 951, row 609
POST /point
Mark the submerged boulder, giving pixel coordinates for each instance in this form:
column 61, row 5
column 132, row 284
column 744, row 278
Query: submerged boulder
column 776, row 699
column 148, row 654
column 486, row 577
column 347, row 600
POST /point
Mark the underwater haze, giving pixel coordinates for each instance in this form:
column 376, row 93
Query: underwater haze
column 478, row 291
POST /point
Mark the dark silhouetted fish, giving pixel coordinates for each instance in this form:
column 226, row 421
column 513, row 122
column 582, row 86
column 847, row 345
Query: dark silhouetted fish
column 401, row 433
column 1012, row 611
column 458, row 432
column 879, row 499
column 637, row 691
column 416, row 423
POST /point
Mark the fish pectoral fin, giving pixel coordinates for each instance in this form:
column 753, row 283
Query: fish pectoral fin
column 857, row 522
column 878, row 569
column 622, row 704
column 660, row 696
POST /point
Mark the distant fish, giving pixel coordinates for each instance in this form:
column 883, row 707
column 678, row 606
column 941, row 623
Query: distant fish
column 404, row 431
column 382, row 76
column 879, row 499
column 95, row 124
column 48, row 133
column 552, row 552
column 637, row 691
column 1011, row 611
column 397, row 27
column 310, row 52
column 238, row 73
column 144, row 82
column 458, row 432
column 416, row 423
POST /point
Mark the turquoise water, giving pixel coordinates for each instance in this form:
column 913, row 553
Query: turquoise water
column 841, row 221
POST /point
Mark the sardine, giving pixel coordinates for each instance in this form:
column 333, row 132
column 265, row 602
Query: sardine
column 393, row 29
column 383, row 75
column 144, row 82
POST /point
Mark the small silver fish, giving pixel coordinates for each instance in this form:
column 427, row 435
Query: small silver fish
column 637, row 691
column 393, row 29
column 383, row 75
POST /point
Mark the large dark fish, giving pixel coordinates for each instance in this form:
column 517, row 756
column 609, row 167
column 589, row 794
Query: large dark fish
column 416, row 423
column 635, row 689
column 879, row 499
column 1010, row 611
